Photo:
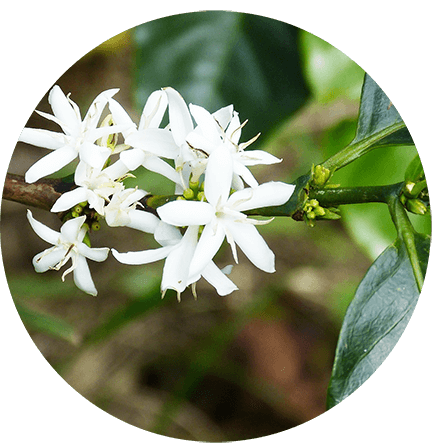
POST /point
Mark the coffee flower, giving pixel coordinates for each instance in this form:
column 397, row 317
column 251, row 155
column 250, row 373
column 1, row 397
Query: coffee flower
column 68, row 245
column 222, row 215
column 79, row 135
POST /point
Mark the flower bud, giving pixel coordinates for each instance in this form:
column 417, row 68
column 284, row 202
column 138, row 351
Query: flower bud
column 416, row 206
column 188, row 194
column 320, row 175
column 319, row 211
column 95, row 226
column 201, row 196
column 311, row 215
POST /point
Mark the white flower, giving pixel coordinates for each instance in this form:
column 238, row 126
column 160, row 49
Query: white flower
column 220, row 128
column 149, row 142
column 121, row 211
column 178, row 251
column 222, row 217
column 68, row 244
column 95, row 187
column 78, row 138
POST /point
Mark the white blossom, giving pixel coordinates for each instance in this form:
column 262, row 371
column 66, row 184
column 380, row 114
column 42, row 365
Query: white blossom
column 212, row 130
column 149, row 142
column 68, row 244
column 222, row 215
column 79, row 135
column 178, row 252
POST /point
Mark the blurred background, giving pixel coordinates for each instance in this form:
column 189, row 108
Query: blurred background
column 255, row 362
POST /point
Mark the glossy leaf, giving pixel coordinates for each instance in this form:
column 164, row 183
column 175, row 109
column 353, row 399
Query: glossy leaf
column 217, row 58
column 376, row 318
column 379, row 125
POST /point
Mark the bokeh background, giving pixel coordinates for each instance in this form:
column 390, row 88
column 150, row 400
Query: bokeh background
column 219, row 368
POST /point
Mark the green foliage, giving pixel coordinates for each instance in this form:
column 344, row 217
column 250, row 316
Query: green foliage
column 379, row 125
column 386, row 297
column 217, row 58
column 376, row 318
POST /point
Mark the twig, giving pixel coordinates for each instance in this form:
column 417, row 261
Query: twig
column 41, row 194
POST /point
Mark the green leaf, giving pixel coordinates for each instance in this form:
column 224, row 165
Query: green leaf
column 376, row 318
column 379, row 125
column 415, row 171
column 217, row 58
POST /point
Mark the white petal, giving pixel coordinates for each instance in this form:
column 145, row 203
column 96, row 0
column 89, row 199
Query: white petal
column 142, row 221
column 93, row 155
column 186, row 213
column 255, row 157
column 223, row 116
column 156, row 164
column 50, row 163
column 116, row 169
column 121, row 117
column 244, row 173
column 132, row 158
column 206, row 124
column 63, row 110
column 70, row 230
column 82, row 276
column 48, row 259
column 160, row 142
column 176, row 266
column 95, row 254
column 273, row 193
column 154, row 110
column 234, row 130
column 43, row 138
column 218, row 279
column 208, row 245
column 179, row 116
column 218, row 177
column 70, row 199
column 252, row 245
column 97, row 107
column 43, row 231
column 166, row 234
column 142, row 257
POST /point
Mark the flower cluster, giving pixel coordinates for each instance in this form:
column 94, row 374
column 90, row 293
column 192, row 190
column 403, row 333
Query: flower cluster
column 198, row 151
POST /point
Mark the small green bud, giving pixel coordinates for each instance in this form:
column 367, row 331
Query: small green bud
column 201, row 196
column 416, row 206
column 202, row 186
column 83, row 204
column 194, row 185
column 180, row 198
column 408, row 189
column 75, row 214
column 412, row 190
column 188, row 194
column 311, row 215
column 331, row 214
column 313, row 202
column 78, row 209
column 319, row 211
column 320, row 175
column 95, row 226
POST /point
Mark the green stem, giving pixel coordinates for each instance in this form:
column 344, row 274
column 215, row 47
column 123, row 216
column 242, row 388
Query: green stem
column 354, row 195
column 356, row 149
column 406, row 233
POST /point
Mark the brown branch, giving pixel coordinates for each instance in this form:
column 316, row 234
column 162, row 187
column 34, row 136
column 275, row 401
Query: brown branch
column 44, row 193
column 41, row 194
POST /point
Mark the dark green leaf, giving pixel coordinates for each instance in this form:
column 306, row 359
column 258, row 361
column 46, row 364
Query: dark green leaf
column 415, row 171
column 377, row 114
column 217, row 58
column 379, row 125
column 376, row 318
